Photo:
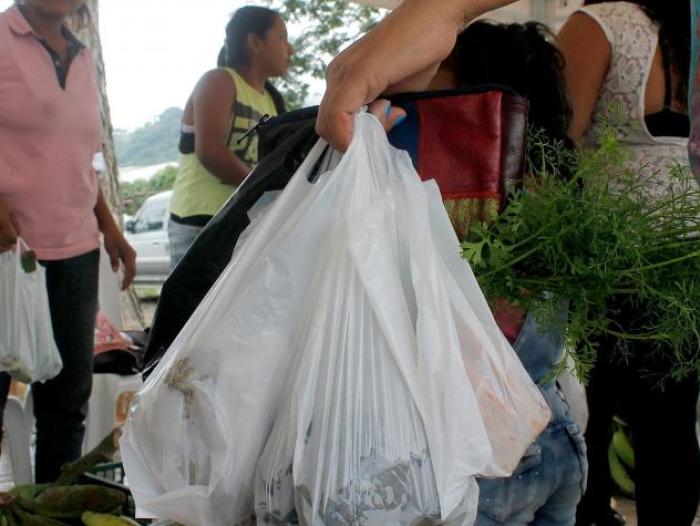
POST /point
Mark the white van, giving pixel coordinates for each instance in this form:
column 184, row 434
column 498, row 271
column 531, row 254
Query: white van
column 147, row 233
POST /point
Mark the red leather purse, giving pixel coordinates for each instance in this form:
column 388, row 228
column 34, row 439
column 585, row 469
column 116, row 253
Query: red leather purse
column 471, row 142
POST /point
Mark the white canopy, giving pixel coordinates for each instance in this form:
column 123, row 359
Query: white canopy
column 388, row 4
column 547, row 11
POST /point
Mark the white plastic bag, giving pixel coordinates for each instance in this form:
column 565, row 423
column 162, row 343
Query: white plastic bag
column 575, row 393
column 27, row 347
column 345, row 362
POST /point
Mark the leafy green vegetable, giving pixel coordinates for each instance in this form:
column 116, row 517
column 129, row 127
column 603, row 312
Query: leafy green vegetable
column 597, row 238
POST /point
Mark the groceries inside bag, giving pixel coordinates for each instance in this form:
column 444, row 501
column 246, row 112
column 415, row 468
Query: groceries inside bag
column 344, row 369
column 28, row 350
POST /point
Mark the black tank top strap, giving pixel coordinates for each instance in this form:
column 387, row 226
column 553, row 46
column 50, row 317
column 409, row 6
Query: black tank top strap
column 668, row 84
column 667, row 123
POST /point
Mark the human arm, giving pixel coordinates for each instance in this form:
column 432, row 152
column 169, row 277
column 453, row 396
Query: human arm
column 9, row 227
column 213, row 99
column 586, row 52
column 401, row 53
column 116, row 246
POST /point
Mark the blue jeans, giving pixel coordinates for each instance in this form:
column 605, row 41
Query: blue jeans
column 60, row 404
column 547, row 485
column 180, row 238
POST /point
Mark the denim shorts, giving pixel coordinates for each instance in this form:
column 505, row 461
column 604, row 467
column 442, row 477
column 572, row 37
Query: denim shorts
column 547, row 485
column 180, row 238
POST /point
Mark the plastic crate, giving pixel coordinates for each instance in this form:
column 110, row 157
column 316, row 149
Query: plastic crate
column 113, row 472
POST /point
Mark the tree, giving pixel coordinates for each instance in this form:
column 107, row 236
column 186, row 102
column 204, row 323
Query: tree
column 163, row 179
column 89, row 34
column 136, row 192
column 153, row 143
column 329, row 25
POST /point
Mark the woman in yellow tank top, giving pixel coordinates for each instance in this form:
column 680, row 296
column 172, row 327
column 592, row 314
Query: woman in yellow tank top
column 216, row 155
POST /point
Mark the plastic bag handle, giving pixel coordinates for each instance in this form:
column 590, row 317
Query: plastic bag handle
column 308, row 167
column 23, row 243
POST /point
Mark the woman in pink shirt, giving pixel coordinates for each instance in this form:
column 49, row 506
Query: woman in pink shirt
column 49, row 195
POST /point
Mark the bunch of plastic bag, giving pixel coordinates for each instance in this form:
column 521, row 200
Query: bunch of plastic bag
column 27, row 347
column 344, row 369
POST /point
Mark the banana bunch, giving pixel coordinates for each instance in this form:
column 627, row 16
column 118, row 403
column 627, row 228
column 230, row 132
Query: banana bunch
column 90, row 518
column 621, row 460
column 52, row 505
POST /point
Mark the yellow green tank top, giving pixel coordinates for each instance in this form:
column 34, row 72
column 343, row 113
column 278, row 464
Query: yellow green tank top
column 197, row 192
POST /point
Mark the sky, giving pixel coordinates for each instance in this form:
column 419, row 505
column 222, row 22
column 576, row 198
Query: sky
column 156, row 50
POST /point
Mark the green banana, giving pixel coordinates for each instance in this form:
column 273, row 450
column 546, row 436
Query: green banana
column 623, row 447
column 25, row 494
column 29, row 519
column 72, row 501
column 101, row 519
column 619, row 474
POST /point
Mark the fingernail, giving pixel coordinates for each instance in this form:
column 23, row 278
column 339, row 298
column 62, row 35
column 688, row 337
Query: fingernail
column 387, row 109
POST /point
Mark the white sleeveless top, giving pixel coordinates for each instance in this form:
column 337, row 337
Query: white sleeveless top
column 633, row 39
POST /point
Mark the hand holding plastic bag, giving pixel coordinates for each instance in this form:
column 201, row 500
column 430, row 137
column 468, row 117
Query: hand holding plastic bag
column 346, row 363
column 27, row 347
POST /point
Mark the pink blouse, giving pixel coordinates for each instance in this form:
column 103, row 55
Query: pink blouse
column 48, row 136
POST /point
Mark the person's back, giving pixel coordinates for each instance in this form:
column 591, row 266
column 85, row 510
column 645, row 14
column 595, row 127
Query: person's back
column 640, row 98
column 218, row 150
column 627, row 72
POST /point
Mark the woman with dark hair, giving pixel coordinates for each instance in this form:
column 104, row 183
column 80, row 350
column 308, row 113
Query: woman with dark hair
column 547, row 485
column 49, row 195
column 520, row 56
column 627, row 69
column 217, row 152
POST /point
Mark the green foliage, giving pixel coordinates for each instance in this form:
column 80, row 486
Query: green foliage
column 600, row 240
column 328, row 26
column 153, row 143
column 136, row 192
column 163, row 179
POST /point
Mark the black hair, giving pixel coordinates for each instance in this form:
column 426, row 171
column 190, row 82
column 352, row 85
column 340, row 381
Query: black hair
column 673, row 17
column 246, row 20
column 523, row 57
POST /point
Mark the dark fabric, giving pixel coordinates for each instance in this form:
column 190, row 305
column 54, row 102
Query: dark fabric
column 284, row 143
column 186, row 144
column 667, row 123
column 126, row 361
column 60, row 404
column 200, row 221
column 662, row 421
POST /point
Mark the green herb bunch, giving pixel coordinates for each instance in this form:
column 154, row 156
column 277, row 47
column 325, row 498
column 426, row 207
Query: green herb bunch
column 584, row 228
